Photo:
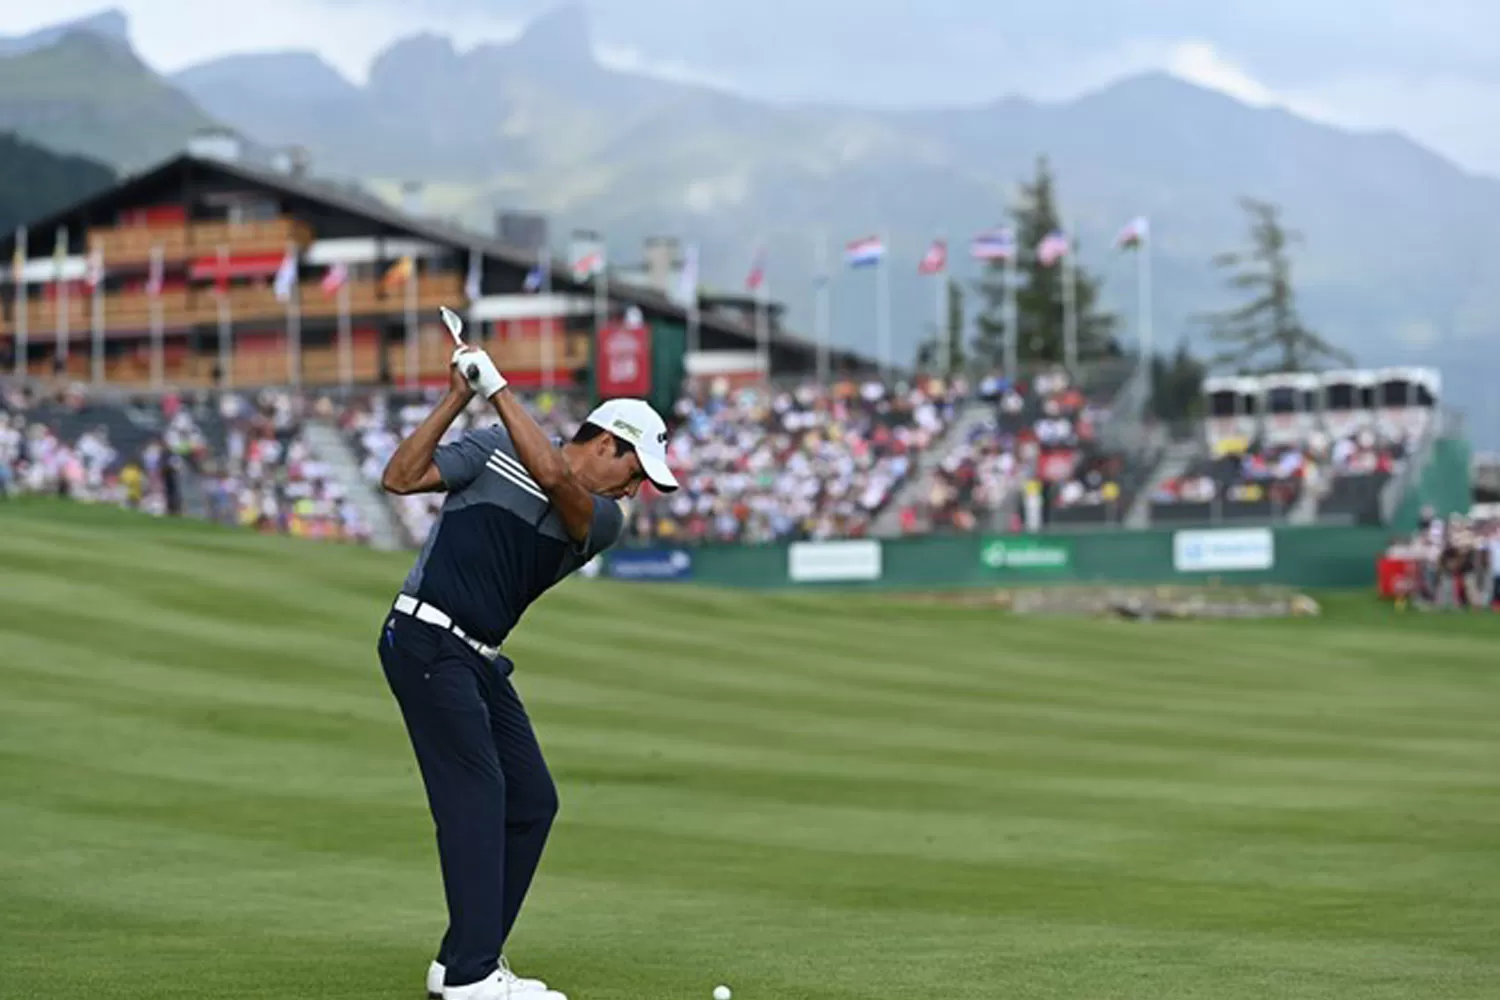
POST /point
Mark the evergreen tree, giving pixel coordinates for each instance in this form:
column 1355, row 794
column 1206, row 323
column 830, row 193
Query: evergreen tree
column 1040, row 295
column 1177, row 385
column 1266, row 334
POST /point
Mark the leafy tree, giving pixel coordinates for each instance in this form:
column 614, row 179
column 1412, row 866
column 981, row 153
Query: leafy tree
column 1266, row 333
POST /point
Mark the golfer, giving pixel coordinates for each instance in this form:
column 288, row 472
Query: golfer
column 521, row 514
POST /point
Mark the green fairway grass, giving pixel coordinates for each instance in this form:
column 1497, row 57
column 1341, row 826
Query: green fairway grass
column 206, row 791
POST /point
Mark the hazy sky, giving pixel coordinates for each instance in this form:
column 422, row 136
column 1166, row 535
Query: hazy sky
column 1430, row 69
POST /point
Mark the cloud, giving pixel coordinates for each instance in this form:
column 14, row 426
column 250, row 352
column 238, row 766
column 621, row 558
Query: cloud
column 1199, row 62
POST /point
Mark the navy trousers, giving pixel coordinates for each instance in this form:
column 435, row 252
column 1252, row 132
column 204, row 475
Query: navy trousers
column 492, row 797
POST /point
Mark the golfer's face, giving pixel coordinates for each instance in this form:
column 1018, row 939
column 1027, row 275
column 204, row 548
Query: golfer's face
column 619, row 476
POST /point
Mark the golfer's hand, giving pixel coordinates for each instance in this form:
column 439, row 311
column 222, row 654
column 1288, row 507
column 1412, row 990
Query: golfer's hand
column 478, row 369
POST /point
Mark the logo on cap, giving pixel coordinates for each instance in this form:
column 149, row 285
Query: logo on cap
column 661, row 438
column 630, row 429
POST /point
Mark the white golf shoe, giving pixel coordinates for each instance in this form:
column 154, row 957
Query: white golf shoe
column 522, row 989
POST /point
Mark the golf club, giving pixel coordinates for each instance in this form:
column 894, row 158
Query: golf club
column 455, row 324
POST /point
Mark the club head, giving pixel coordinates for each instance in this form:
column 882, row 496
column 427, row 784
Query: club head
column 454, row 322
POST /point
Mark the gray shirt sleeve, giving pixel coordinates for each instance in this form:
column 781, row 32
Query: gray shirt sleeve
column 461, row 461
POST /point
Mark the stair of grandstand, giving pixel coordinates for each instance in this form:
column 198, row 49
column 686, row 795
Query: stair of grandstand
column 970, row 416
column 344, row 467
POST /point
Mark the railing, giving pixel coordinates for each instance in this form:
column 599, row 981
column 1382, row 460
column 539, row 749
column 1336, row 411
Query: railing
column 131, row 311
column 133, row 244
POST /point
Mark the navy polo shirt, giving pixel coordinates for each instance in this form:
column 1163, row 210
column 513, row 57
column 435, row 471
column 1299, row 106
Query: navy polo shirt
column 498, row 544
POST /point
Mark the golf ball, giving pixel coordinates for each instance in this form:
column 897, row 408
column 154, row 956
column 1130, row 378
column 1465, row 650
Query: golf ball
column 722, row 993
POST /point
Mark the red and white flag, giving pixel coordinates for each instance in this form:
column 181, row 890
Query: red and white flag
column 757, row 276
column 337, row 275
column 1053, row 248
column 935, row 260
column 95, row 274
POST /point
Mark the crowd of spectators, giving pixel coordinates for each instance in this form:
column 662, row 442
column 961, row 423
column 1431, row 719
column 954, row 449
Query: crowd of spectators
column 1258, row 472
column 247, row 452
column 1035, row 454
column 37, row 457
column 1453, row 562
column 762, row 464
column 267, row 477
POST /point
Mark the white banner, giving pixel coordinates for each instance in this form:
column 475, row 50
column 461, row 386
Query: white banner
column 828, row 562
column 1223, row 549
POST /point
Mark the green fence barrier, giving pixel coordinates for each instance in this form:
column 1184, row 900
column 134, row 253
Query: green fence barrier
column 1295, row 556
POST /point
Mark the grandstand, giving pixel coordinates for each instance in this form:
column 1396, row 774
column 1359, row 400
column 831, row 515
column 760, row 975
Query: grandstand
column 1332, row 447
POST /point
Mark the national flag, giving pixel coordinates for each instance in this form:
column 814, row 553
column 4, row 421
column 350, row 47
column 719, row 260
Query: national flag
column 335, row 279
column 472, row 281
column 533, row 282
column 397, row 274
column 687, row 279
column 757, row 276
column 154, row 277
column 94, row 277
column 998, row 243
column 1134, row 233
column 286, row 277
column 1053, row 248
column 935, row 260
column 865, row 252
column 588, row 260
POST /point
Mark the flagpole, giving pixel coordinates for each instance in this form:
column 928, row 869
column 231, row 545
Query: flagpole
column 153, row 291
column 548, row 328
column 226, row 354
column 1012, row 318
column 693, row 333
column 762, row 324
column 22, row 301
column 1070, row 309
column 940, row 280
column 1143, row 301
column 601, row 293
column 97, row 318
column 345, row 335
column 821, row 303
column 883, row 308
column 60, row 304
column 294, row 323
column 412, row 367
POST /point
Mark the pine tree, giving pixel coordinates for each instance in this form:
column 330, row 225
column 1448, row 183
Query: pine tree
column 1039, row 297
column 1266, row 334
column 1177, row 385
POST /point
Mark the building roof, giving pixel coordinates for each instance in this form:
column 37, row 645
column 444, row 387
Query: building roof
column 353, row 202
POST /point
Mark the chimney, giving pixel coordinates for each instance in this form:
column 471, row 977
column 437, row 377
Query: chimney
column 215, row 144
column 411, row 197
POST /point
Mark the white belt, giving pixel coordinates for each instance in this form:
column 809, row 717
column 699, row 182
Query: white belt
column 422, row 612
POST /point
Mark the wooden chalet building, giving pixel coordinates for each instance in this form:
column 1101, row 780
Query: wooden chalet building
column 171, row 279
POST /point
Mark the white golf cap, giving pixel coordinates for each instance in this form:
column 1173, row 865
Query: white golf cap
column 637, row 424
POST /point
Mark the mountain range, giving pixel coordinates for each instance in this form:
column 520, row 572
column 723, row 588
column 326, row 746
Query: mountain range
column 1398, row 259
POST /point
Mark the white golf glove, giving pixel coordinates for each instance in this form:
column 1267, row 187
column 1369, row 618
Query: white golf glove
column 479, row 371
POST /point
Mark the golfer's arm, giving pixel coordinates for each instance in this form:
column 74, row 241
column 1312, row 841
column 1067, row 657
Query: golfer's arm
column 411, row 468
column 546, row 465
